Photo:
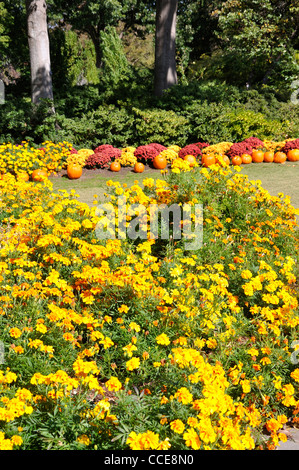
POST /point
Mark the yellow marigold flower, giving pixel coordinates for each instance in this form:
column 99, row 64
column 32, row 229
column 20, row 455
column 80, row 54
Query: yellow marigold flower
column 15, row 332
column 273, row 425
column 282, row 437
column 106, row 342
column 253, row 352
column 86, row 223
column 134, row 441
column 163, row 339
column 163, row 420
column 133, row 363
column 206, row 431
column 113, row 384
column 245, row 385
column 123, row 309
column 265, row 360
column 134, row 327
column 150, row 440
column 164, row 400
column 84, row 440
column 211, row 343
column 18, row 349
column 183, row 395
column 41, row 328
column 192, row 439
column 295, row 375
column 16, row 440
column 164, row 445
column 246, row 274
column 192, row 422
column 5, row 444
column 129, row 349
column 177, row 426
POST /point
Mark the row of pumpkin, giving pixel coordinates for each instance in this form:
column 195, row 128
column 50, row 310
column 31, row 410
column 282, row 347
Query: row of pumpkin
column 160, row 162
column 159, row 157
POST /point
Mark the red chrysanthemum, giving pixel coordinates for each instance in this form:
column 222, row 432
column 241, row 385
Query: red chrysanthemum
column 290, row 145
column 255, row 142
column 102, row 156
column 147, row 152
column 239, row 148
column 191, row 149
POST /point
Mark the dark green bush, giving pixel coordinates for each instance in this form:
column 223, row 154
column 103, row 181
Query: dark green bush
column 158, row 125
column 128, row 114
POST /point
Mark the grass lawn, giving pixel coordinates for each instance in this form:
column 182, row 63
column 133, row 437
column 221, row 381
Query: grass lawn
column 276, row 178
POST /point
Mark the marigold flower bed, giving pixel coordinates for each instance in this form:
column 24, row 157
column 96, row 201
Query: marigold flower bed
column 123, row 344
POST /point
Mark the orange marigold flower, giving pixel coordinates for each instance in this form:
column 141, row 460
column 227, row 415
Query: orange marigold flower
column 183, row 395
column 113, row 384
column 177, row 426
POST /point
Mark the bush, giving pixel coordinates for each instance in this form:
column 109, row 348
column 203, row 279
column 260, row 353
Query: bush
column 158, row 125
column 128, row 115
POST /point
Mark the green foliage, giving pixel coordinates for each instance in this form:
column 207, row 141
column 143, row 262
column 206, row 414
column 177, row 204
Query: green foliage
column 126, row 115
column 80, row 59
column 241, row 123
column 107, row 124
column 256, row 40
column 158, row 125
column 115, row 65
column 4, row 38
column 73, row 59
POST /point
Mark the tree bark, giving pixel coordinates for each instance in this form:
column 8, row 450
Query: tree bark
column 95, row 37
column 165, row 60
column 39, row 49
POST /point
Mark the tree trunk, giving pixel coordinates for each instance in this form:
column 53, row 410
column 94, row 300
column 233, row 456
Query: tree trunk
column 95, row 37
column 165, row 61
column 39, row 48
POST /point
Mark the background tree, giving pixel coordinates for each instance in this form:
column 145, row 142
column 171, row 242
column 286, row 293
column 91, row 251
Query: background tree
column 165, row 49
column 38, row 39
column 90, row 17
column 257, row 39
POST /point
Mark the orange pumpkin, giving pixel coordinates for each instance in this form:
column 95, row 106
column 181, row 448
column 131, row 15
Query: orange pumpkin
column 222, row 159
column 139, row 167
column 190, row 159
column 160, row 162
column 257, row 156
column 208, row 160
column 293, row 155
column 236, row 160
column 115, row 166
column 39, row 175
column 246, row 158
column 280, row 157
column 268, row 157
column 23, row 176
column 74, row 171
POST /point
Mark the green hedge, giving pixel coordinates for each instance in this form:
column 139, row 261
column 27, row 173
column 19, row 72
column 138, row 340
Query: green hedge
column 90, row 116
